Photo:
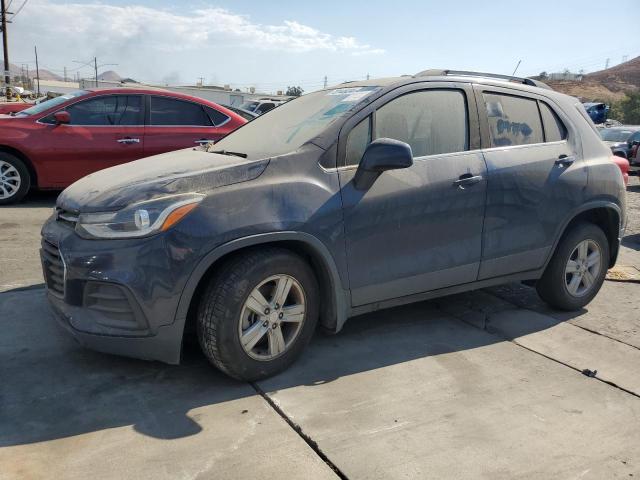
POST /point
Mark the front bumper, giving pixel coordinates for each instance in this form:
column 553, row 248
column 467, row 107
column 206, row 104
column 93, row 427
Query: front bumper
column 164, row 346
column 120, row 296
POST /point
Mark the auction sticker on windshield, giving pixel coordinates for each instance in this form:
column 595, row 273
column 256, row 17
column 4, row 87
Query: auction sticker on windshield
column 353, row 94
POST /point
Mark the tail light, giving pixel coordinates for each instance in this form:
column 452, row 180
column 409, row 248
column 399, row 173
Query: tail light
column 623, row 163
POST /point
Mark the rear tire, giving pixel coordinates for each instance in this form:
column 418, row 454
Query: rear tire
column 577, row 269
column 15, row 180
column 243, row 329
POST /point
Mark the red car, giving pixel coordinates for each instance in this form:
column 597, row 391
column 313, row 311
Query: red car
column 56, row 142
column 12, row 107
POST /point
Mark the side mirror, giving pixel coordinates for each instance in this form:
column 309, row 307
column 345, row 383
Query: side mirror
column 381, row 155
column 62, row 117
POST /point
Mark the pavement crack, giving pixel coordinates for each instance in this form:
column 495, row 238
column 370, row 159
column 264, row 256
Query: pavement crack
column 298, row 429
column 487, row 328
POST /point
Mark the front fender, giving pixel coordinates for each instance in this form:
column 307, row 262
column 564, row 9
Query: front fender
column 334, row 315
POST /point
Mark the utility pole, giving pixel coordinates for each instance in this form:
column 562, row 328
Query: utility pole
column 367, row 76
column 95, row 67
column 37, row 69
column 201, row 81
column 65, row 73
column 606, row 65
column 5, row 51
column 325, row 81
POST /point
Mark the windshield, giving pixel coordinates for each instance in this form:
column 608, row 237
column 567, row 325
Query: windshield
column 611, row 135
column 286, row 128
column 47, row 104
column 251, row 106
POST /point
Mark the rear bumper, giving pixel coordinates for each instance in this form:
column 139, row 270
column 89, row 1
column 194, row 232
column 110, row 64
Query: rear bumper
column 164, row 346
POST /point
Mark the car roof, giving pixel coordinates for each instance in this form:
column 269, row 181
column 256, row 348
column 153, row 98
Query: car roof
column 438, row 75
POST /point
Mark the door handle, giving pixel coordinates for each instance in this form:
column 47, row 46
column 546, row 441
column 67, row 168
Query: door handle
column 467, row 179
column 565, row 160
column 204, row 140
column 128, row 140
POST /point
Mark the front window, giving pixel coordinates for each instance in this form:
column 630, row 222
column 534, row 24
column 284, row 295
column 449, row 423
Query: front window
column 286, row 128
column 53, row 102
column 615, row 135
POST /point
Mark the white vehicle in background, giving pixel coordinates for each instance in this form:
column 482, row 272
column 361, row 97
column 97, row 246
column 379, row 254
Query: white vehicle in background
column 261, row 105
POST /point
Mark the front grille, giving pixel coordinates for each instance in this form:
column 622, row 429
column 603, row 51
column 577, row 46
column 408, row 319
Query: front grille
column 66, row 217
column 53, row 266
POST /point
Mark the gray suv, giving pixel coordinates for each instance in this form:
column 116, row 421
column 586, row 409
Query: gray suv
column 341, row 202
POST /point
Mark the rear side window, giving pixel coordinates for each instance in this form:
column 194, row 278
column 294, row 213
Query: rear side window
column 554, row 129
column 109, row 110
column 169, row 111
column 432, row 122
column 357, row 141
column 513, row 120
column 265, row 107
column 218, row 118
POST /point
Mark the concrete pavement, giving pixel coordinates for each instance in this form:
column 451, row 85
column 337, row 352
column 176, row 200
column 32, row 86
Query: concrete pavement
column 485, row 384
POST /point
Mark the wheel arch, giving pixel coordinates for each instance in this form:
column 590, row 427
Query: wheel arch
column 306, row 245
column 606, row 215
column 17, row 153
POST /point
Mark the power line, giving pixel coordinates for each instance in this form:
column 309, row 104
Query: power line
column 19, row 9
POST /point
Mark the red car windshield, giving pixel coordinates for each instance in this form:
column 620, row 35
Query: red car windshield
column 47, row 104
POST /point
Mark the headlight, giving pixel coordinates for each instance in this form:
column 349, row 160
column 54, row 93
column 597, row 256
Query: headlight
column 139, row 219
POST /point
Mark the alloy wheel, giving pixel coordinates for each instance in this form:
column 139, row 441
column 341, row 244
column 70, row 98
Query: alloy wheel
column 10, row 180
column 583, row 268
column 272, row 317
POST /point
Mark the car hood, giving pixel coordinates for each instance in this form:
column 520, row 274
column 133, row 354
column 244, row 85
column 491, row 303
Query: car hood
column 182, row 171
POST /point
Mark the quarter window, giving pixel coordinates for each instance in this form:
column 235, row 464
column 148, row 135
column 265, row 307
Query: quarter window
column 218, row 118
column 432, row 122
column 109, row 110
column 357, row 141
column 554, row 129
column 169, row 111
column 513, row 120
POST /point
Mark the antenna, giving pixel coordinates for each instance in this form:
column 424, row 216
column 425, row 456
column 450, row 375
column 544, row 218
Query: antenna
column 516, row 69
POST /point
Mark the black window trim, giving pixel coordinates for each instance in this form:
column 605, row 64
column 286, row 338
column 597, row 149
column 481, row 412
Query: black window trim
column 544, row 128
column 473, row 125
column 147, row 118
column 143, row 105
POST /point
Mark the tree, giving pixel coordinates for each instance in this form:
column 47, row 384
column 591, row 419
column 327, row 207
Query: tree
column 294, row 91
column 627, row 110
column 543, row 76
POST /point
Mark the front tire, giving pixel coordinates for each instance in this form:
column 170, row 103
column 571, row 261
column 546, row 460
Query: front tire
column 577, row 269
column 15, row 180
column 258, row 313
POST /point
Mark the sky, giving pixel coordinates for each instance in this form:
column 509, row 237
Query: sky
column 271, row 45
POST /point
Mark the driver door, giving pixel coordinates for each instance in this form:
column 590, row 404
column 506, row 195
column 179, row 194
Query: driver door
column 104, row 131
column 420, row 228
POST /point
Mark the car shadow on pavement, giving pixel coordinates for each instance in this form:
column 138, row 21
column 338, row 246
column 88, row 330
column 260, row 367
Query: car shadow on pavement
column 51, row 388
column 632, row 241
column 37, row 199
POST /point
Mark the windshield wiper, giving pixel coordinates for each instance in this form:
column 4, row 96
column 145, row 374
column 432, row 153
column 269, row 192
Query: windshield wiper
column 227, row 152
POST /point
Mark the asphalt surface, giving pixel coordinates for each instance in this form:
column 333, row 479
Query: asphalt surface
column 488, row 384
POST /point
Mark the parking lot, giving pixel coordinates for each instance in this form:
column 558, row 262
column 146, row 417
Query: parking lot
column 488, row 384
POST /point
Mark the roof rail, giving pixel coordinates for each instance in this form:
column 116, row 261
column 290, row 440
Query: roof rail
column 461, row 73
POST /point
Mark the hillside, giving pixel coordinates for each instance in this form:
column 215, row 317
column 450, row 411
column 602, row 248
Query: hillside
column 605, row 85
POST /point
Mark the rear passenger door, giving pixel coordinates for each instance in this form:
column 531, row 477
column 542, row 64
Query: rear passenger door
column 535, row 178
column 173, row 124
